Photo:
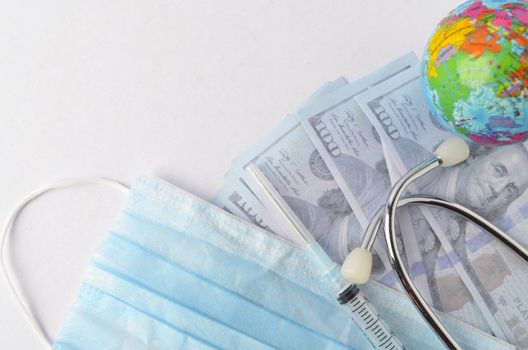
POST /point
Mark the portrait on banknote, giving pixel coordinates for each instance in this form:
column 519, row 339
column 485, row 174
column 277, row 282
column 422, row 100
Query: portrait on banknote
column 488, row 183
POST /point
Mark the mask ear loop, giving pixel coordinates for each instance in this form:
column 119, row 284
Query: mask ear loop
column 6, row 232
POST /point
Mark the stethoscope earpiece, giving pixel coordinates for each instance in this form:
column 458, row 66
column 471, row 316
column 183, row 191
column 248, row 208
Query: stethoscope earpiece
column 358, row 264
column 452, row 151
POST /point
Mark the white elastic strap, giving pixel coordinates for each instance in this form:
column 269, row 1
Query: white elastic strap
column 30, row 317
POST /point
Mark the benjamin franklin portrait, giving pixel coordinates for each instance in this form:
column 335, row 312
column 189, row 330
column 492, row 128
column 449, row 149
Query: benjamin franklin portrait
column 488, row 182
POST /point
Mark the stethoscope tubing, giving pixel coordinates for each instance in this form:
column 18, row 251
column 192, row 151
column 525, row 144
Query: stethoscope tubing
column 386, row 217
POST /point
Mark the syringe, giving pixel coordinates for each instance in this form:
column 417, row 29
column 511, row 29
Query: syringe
column 361, row 311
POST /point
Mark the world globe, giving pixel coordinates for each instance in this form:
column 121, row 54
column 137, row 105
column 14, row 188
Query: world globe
column 474, row 72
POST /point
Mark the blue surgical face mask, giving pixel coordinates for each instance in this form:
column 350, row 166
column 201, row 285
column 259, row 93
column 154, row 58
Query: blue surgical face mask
column 179, row 273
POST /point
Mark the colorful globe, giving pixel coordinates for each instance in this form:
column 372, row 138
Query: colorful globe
column 475, row 71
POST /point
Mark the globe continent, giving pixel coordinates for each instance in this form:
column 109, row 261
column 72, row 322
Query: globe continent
column 475, row 71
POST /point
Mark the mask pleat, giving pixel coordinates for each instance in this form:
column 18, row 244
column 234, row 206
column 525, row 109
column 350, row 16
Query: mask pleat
column 163, row 204
column 249, row 279
column 196, row 296
column 178, row 273
column 101, row 322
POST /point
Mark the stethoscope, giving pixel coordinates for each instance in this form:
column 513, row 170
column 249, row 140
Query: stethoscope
column 358, row 264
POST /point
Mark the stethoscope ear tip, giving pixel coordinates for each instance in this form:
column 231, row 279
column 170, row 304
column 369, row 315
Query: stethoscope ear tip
column 357, row 266
column 452, row 151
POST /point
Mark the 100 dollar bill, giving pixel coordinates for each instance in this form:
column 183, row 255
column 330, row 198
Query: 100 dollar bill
column 235, row 178
column 295, row 168
column 236, row 198
column 350, row 145
column 352, row 149
column 463, row 265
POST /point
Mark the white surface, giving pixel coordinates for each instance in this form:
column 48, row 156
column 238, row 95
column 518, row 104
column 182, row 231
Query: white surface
column 171, row 88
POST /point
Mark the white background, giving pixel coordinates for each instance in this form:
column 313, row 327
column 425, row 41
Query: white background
column 170, row 88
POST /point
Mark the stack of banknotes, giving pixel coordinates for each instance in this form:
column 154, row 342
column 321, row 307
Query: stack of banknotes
column 333, row 161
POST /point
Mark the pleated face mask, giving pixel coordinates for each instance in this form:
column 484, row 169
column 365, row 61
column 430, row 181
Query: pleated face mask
column 179, row 273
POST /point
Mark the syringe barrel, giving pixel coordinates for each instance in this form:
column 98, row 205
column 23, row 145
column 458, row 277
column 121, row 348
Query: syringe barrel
column 371, row 324
column 361, row 311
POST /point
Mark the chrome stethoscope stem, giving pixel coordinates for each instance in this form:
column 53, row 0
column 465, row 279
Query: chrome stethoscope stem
column 372, row 230
column 389, row 226
column 374, row 226
column 386, row 217
column 470, row 215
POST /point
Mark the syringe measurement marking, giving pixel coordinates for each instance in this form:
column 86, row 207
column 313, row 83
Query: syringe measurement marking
column 354, row 310
column 368, row 319
column 373, row 323
column 363, row 312
column 355, row 302
column 383, row 338
column 387, row 341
